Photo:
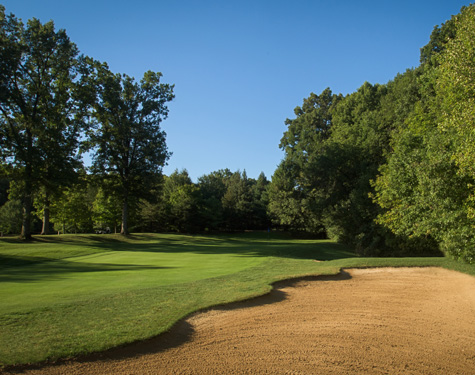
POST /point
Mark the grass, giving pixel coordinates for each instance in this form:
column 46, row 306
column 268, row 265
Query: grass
column 62, row 296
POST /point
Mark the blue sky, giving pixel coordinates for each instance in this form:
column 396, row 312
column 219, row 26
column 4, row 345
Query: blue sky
column 241, row 67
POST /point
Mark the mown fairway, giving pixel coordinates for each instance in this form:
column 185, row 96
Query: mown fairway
column 67, row 295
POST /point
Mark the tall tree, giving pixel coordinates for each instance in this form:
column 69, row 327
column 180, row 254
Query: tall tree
column 427, row 186
column 129, row 143
column 181, row 196
column 212, row 189
column 455, row 87
column 333, row 151
column 237, row 202
column 43, row 102
column 260, row 201
column 292, row 191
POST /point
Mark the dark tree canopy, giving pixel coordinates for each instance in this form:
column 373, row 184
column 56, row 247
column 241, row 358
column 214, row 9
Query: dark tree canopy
column 129, row 145
column 426, row 188
column 391, row 170
column 43, row 103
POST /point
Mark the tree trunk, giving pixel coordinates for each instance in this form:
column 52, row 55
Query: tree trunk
column 45, row 229
column 27, row 205
column 125, row 217
column 26, row 223
column 28, row 192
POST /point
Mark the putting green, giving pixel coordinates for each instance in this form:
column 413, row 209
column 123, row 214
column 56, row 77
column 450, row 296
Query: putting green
column 71, row 279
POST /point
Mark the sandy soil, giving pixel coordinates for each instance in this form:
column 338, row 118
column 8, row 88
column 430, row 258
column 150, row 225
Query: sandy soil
column 370, row 321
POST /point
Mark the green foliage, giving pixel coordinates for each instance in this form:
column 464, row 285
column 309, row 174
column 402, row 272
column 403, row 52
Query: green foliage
column 72, row 212
column 4, row 186
column 129, row 146
column 221, row 200
column 212, row 189
column 106, row 210
column 260, row 202
column 323, row 184
column 43, row 106
column 237, row 202
column 11, row 217
column 181, row 197
column 290, row 206
column 297, row 180
column 426, row 187
column 455, row 88
column 311, row 126
column 437, row 43
column 389, row 168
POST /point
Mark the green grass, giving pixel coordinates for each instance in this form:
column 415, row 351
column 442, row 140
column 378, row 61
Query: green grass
column 67, row 295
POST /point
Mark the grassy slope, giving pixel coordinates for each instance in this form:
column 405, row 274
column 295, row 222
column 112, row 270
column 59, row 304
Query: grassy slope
column 66, row 295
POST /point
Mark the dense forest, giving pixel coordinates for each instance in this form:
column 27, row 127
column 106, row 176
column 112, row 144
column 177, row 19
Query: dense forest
column 388, row 169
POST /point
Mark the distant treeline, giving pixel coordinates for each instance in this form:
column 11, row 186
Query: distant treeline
column 388, row 169
column 220, row 201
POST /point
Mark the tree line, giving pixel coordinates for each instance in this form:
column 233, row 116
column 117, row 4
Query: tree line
column 387, row 169
column 219, row 201
column 56, row 104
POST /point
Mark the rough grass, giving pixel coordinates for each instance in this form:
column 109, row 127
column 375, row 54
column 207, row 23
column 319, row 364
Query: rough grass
column 68, row 295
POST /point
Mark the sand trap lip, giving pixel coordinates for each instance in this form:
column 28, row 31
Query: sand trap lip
column 374, row 321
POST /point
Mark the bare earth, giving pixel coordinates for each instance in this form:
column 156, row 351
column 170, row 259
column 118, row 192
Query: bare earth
column 365, row 321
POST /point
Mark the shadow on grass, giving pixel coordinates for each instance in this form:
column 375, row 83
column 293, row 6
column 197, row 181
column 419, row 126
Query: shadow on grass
column 255, row 245
column 245, row 244
column 54, row 269
column 53, row 257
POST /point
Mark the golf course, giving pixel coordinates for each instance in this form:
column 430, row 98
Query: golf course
column 71, row 295
column 237, row 188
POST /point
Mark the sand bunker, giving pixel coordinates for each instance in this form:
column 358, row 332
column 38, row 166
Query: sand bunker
column 366, row 321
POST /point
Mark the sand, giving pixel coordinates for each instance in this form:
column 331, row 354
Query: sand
column 363, row 321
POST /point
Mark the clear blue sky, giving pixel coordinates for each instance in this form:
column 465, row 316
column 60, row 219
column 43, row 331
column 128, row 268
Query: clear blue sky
column 241, row 67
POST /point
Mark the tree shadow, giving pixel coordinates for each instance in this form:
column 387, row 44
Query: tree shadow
column 54, row 269
column 242, row 244
column 32, row 266
column 7, row 261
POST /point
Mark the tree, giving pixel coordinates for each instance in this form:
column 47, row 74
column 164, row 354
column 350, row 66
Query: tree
column 455, row 87
column 10, row 217
column 43, row 103
column 438, row 39
column 106, row 209
column 307, row 133
column 237, row 202
column 292, row 191
column 427, row 186
column 4, row 186
column 129, row 145
column 212, row 188
column 72, row 211
column 323, row 183
column 260, row 201
column 291, row 207
column 181, row 199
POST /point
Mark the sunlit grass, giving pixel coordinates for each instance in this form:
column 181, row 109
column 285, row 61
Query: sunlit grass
column 66, row 295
